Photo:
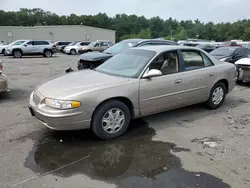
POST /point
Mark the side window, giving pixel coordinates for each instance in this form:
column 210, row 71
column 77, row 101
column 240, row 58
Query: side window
column 30, row 43
column 192, row 60
column 104, row 44
column 206, row 60
column 41, row 43
column 167, row 63
column 84, row 43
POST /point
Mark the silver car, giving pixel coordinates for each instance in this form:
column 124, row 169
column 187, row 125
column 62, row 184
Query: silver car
column 3, row 80
column 134, row 83
column 32, row 47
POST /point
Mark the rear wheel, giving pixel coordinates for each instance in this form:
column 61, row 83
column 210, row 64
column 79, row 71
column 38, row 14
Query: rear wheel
column 217, row 96
column 111, row 120
column 3, row 51
column 47, row 53
column 73, row 52
column 17, row 54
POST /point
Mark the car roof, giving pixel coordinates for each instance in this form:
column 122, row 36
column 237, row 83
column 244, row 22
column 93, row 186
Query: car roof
column 230, row 47
column 161, row 48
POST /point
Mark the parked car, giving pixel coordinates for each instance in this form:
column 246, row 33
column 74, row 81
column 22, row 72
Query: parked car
column 229, row 43
column 32, row 47
column 230, row 54
column 3, row 42
column 95, row 46
column 134, row 83
column 73, row 49
column 3, row 79
column 247, row 46
column 3, row 47
column 94, row 59
column 243, row 66
column 207, row 47
column 60, row 45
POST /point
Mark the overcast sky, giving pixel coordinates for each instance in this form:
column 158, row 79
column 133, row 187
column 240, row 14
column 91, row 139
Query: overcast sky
column 205, row 10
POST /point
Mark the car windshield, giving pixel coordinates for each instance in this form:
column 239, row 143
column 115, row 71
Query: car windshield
column 72, row 43
column 128, row 63
column 92, row 44
column 223, row 51
column 117, row 48
column 18, row 42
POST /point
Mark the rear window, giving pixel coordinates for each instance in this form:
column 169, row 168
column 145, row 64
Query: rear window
column 41, row 43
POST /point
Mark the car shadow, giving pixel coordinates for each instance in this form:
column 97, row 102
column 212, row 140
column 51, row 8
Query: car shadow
column 32, row 57
column 13, row 96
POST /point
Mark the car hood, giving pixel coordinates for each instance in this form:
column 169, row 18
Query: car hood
column 219, row 56
column 94, row 56
column 80, row 82
column 243, row 61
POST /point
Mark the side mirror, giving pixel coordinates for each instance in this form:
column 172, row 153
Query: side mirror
column 25, row 45
column 152, row 73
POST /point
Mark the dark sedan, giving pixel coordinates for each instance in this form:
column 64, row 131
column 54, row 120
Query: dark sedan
column 94, row 59
column 206, row 47
column 230, row 54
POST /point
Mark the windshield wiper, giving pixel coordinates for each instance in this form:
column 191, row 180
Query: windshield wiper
column 107, row 53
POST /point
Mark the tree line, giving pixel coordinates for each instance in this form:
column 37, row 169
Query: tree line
column 132, row 26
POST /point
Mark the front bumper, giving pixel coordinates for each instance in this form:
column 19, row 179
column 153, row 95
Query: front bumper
column 58, row 119
column 66, row 51
column 8, row 52
column 3, row 83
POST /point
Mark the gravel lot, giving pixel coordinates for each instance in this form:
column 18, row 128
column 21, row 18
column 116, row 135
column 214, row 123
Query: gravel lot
column 188, row 147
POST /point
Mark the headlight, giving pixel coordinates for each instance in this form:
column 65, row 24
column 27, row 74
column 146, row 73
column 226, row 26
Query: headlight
column 62, row 104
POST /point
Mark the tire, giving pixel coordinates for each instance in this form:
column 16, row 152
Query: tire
column 17, row 54
column 239, row 81
column 220, row 89
column 73, row 52
column 47, row 53
column 3, row 51
column 103, row 112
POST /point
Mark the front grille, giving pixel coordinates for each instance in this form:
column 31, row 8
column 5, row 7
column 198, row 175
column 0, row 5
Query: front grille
column 36, row 99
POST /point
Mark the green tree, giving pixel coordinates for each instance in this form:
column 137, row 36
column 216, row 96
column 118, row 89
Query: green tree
column 132, row 26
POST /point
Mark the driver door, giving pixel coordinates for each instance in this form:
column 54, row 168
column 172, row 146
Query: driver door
column 29, row 48
column 161, row 93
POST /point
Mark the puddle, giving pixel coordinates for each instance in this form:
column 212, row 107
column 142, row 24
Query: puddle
column 133, row 160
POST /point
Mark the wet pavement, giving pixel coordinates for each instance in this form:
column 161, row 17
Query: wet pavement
column 133, row 160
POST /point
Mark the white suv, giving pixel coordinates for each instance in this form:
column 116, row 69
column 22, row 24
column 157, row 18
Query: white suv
column 32, row 47
column 72, row 49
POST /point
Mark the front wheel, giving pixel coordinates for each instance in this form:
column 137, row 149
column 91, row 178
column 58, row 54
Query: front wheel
column 47, row 53
column 217, row 96
column 111, row 120
column 17, row 54
column 73, row 52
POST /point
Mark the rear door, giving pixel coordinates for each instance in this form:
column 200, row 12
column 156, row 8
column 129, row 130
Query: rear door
column 40, row 46
column 104, row 46
column 161, row 93
column 197, row 77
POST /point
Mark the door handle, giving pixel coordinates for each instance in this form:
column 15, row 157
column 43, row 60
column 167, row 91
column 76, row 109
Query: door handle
column 178, row 81
column 211, row 74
